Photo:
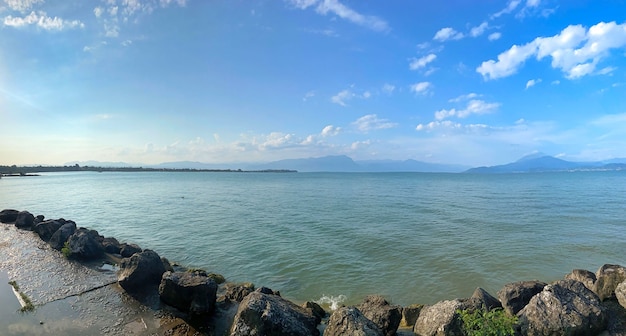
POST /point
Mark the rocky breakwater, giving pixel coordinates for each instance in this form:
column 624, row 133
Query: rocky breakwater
column 195, row 302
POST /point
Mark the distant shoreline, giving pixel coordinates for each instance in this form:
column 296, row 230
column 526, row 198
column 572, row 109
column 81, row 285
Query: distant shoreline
column 19, row 171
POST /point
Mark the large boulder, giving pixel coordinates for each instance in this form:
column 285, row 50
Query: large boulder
column 25, row 220
column 188, row 292
column 140, row 270
column 127, row 250
column 488, row 301
column 378, row 310
column 566, row 307
column 46, row 229
column 516, row 295
column 60, row 236
column 584, row 276
column 442, row 318
column 271, row 315
column 410, row 314
column 111, row 245
column 237, row 292
column 85, row 244
column 316, row 310
column 350, row 321
column 607, row 279
column 8, row 215
column 620, row 293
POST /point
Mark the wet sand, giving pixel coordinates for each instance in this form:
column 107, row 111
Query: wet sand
column 70, row 298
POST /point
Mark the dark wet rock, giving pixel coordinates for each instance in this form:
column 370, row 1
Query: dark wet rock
column 410, row 314
column 620, row 293
column 166, row 264
column 350, row 321
column 85, row 245
column 607, row 279
column 566, row 307
column 8, row 215
column 38, row 219
column 111, row 245
column 46, row 229
column 378, row 310
column 188, row 292
column 584, row 276
column 25, row 220
column 128, row 250
column 237, row 292
column 140, row 270
column 268, row 291
column 489, row 301
column 616, row 318
column 516, row 295
column 442, row 317
column 62, row 235
column 316, row 310
column 271, row 315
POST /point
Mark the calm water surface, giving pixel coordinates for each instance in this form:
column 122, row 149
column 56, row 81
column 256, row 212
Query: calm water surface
column 415, row 238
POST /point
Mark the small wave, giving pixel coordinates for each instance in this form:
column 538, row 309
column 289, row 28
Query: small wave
column 333, row 302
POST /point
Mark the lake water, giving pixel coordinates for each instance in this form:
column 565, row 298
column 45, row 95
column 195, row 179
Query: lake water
column 413, row 237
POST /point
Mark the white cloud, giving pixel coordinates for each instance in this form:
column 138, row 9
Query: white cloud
column 532, row 83
column 42, row 20
column 532, row 3
column 360, row 144
column 308, row 95
column 418, row 63
column 447, row 33
column 494, row 36
column 371, row 122
column 479, row 30
column 511, row 6
column 342, row 97
column 465, row 97
column 422, row 88
column 474, row 106
column 388, row 88
column 98, row 11
column 22, row 5
column 330, row 130
column 575, row 50
column 335, row 7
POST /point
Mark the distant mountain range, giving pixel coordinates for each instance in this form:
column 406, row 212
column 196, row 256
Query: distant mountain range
column 537, row 162
column 540, row 162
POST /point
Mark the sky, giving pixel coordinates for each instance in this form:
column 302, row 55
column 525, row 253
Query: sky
column 467, row 82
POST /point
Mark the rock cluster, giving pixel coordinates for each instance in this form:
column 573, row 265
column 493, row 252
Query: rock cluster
column 584, row 303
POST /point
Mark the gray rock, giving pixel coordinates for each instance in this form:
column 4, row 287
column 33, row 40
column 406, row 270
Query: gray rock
column 168, row 267
column 85, row 244
column 442, row 319
column 62, row 235
column 46, row 229
column 188, row 292
column 410, row 314
column 8, row 215
column 616, row 318
column 489, row 301
column 584, row 276
column 608, row 277
column 316, row 310
column 566, row 307
column 128, row 250
column 237, row 292
column 350, row 321
column 25, row 220
column 378, row 310
column 111, row 245
column 516, row 295
column 271, row 315
column 140, row 270
column 620, row 293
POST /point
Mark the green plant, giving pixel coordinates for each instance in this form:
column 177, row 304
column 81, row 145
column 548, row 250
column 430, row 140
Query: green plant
column 28, row 304
column 14, row 285
column 66, row 250
column 495, row 322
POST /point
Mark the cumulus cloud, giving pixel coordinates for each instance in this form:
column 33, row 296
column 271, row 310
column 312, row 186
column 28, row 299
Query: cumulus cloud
column 494, row 36
column 576, row 51
column 371, row 122
column 474, row 106
column 22, row 5
column 418, row 63
column 447, row 33
column 422, row 88
column 532, row 83
column 42, row 20
column 330, row 130
column 335, row 7
column 479, row 30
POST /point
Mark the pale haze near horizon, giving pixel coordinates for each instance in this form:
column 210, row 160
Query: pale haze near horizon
column 151, row 81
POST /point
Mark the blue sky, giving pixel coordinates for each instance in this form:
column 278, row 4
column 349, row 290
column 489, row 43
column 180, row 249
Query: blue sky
column 227, row 81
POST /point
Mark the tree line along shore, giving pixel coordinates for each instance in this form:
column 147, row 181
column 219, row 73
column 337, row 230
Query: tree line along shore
column 583, row 303
column 33, row 170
